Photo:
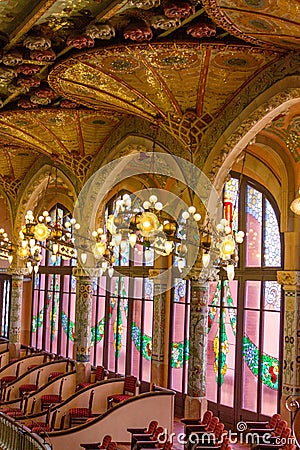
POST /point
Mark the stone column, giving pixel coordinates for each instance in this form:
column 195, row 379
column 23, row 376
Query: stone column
column 290, row 281
column 83, row 320
column 15, row 317
column 195, row 402
column 161, row 326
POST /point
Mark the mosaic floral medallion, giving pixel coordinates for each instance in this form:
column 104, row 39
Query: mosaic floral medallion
column 177, row 60
column 236, row 61
column 120, row 63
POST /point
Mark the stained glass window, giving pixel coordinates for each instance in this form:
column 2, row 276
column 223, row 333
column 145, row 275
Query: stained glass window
column 179, row 336
column 122, row 314
column 272, row 245
column 54, row 298
column 243, row 368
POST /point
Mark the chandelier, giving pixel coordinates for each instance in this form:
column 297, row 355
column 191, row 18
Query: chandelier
column 135, row 222
column 55, row 234
column 6, row 247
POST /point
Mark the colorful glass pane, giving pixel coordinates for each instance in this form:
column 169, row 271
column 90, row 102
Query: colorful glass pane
column 272, row 244
column 179, row 290
column 148, row 289
column 272, row 295
column 253, row 227
column 231, row 191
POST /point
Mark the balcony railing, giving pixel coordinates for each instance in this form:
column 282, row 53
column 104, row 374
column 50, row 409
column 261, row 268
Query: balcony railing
column 15, row 436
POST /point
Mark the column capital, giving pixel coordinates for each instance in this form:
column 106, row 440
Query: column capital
column 153, row 273
column 194, row 274
column 17, row 271
column 288, row 277
column 88, row 272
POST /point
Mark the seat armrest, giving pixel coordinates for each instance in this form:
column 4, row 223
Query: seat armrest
column 141, row 435
column 91, row 445
column 136, row 430
column 261, row 431
column 257, row 424
column 191, row 421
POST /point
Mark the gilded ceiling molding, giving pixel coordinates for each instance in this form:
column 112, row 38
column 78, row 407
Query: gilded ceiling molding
column 214, row 11
column 245, row 127
column 78, row 165
column 10, row 187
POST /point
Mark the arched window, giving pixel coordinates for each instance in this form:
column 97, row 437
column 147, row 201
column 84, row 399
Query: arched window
column 54, row 296
column 244, row 323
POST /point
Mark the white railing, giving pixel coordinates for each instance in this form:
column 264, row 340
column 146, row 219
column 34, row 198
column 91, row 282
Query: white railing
column 15, row 436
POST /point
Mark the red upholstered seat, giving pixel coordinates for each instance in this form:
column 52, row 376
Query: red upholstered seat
column 53, row 375
column 27, row 388
column 50, row 399
column 39, row 429
column 16, row 413
column 128, row 391
column 80, row 415
column 79, row 412
column 7, row 379
column 99, row 376
column 95, row 445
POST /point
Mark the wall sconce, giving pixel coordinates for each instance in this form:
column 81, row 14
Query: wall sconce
column 295, row 205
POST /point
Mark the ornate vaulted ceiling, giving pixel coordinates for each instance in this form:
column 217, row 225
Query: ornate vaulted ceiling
column 73, row 72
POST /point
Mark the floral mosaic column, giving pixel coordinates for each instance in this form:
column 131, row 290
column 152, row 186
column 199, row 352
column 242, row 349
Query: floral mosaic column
column 83, row 320
column 160, row 350
column 15, row 317
column 290, row 282
column 195, row 403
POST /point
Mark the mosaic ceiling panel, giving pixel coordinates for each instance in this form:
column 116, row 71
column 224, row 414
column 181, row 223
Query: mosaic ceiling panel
column 72, row 70
column 159, row 80
column 72, row 137
column 275, row 23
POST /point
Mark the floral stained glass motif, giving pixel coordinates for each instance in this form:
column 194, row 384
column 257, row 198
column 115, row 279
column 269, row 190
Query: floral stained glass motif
column 148, row 289
column 68, row 326
column 272, row 244
column 221, row 351
column 269, row 364
column 212, row 310
column 251, row 354
column 98, row 332
column 144, row 343
column 179, row 290
column 180, row 352
column 272, row 295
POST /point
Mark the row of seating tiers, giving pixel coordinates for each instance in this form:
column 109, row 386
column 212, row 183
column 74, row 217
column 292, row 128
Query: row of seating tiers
column 209, row 432
column 48, row 401
column 141, row 438
column 106, row 444
column 81, row 415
